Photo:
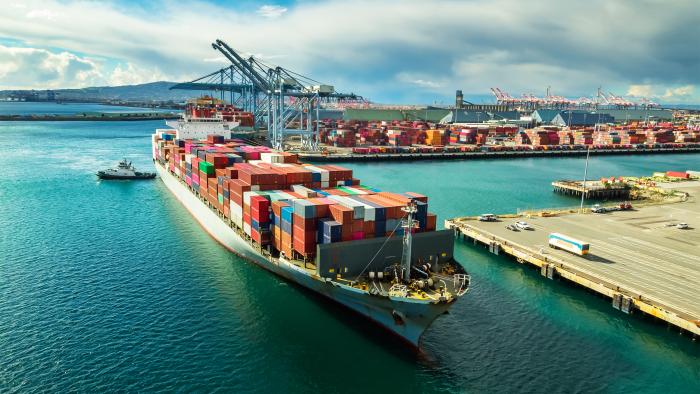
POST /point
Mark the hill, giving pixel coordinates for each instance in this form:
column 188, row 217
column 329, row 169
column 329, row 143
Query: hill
column 147, row 92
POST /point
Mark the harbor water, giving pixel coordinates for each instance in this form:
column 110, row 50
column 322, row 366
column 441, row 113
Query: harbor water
column 112, row 286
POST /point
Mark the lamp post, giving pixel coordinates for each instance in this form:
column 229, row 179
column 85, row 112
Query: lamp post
column 585, row 174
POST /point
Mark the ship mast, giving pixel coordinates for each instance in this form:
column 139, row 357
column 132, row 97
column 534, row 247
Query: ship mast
column 408, row 226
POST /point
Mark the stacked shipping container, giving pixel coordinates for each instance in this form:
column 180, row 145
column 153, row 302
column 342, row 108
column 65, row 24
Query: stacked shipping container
column 280, row 203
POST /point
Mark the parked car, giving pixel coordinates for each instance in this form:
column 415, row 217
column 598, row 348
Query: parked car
column 488, row 217
column 523, row 226
column 598, row 209
column 682, row 226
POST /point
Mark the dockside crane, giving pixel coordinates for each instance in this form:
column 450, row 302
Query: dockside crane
column 287, row 102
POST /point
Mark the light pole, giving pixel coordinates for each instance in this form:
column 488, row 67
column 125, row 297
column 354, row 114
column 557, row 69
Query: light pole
column 585, row 174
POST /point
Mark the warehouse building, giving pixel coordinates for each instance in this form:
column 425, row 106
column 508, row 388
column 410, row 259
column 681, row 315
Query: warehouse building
column 581, row 118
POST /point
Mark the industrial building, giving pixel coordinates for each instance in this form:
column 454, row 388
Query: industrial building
column 545, row 116
column 581, row 118
column 638, row 114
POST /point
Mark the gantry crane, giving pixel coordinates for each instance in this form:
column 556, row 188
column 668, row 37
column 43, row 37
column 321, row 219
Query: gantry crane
column 282, row 101
column 288, row 102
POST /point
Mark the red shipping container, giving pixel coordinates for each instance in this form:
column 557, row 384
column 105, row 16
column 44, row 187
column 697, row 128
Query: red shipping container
column 304, row 235
column 368, row 229
column 262, row 237
column 277, row 207
column 230, row 172
column 305, row 224
column 304, row 248
column 260, row 209
column 358, row 225
column 418, row 197
column 341, row 214
column 346, row 231
column 677, row 174
column 431, row 223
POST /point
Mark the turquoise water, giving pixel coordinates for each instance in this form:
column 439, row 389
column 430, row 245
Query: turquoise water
column 111, row 286
column 26, row 108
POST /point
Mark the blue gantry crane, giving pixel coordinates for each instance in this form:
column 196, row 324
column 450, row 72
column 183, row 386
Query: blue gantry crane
column 284, row 102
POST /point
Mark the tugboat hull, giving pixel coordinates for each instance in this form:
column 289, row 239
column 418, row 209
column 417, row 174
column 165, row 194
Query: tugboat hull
column 102, row 175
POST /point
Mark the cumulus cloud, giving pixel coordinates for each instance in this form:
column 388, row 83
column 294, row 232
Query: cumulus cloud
column 271, row 11
column 22, row 67
column 45, row 14
column 665, row 93
column 420, row 81
column 216, row 59
column 362, row 46
column 129, row 74
column 640, row 91
column 680, row 92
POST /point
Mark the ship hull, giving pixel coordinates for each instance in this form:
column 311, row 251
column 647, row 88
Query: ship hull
column 404, row 317
column 125, row 177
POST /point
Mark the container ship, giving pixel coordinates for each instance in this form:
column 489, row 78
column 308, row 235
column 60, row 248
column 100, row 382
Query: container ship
column 376, row 252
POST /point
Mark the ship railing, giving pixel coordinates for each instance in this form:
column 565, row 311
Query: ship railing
column 461, row 283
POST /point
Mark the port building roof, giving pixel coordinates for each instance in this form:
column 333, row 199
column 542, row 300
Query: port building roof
column 461, row 116
column 581, row 118
column 376, row 114
column 638, row 114
column 544, row 116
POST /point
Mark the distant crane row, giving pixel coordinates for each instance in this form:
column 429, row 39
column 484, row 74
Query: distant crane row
column 529, row 101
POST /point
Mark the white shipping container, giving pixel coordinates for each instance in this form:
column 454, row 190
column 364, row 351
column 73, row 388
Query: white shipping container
column 236, row 209
column 325, row 174
column 357, row 207
column 304, row 191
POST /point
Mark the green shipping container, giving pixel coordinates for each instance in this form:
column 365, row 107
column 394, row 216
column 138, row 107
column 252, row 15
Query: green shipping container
column 207, row 167
column 221, row 198
column 348, row 191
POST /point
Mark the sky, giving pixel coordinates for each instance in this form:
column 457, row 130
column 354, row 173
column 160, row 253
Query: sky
column 387, row 51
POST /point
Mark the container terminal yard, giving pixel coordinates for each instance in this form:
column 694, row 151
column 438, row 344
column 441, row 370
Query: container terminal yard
column 296, row 113
column 644, row 260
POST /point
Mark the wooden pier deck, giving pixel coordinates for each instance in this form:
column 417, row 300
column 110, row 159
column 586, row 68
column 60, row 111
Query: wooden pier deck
column 638, row 259
column 592, row 189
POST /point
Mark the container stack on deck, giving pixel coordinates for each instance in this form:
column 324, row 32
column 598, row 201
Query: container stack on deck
column 283, row 204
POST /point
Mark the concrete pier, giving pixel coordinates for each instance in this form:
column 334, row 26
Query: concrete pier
column 347, row 157
column 639, row 259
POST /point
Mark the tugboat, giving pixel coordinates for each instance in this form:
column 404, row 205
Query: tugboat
column 125, row 170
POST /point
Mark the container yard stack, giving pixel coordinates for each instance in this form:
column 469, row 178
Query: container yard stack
column 436, row 137
column 566, row 137
column 583, row 136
